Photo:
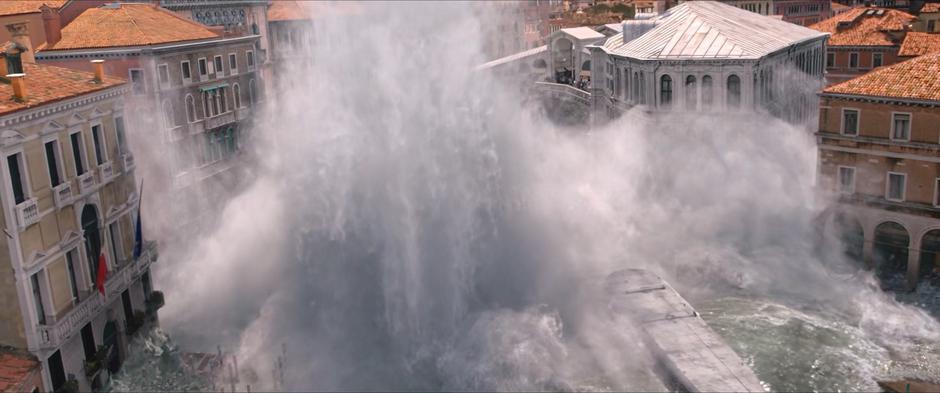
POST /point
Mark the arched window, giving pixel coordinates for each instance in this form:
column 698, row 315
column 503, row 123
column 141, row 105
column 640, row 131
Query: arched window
column 215, row 103
column 626, row 84
column 190, row 108
column 734, row 91
column 205, row 105
column 222, row 96
column 251, row 92
column 691, row 93
column 665, row 91
column 708, row 94
column 168, row 114
column 642, row 89
column 236, row 91
column 619, row 77
column 636, row 87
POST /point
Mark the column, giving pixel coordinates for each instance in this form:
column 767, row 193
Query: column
column 913, row 265
column 868, row 249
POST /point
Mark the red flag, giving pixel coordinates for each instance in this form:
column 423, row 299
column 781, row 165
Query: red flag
column 102, row 273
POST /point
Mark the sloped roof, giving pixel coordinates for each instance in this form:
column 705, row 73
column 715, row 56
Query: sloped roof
column 286, row 10
column 918, row 78
column 916, row 44
column 16, row 369
column 864, row 26
column 930, row 8
column 128, row 25
column 46, row 83
column 709, row 30
column 15, row 7
column 583, row 33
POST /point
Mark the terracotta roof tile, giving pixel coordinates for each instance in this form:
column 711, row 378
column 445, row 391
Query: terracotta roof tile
column 14, row 7
column 285, row 10
column 838, row 6
column 16, row 369
column 864, row 29
column 930, row 8
column 128, row 25
column 45, row 84
column 916, row 44
column 918, row 78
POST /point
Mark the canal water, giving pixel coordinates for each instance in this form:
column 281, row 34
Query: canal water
column 412, row 226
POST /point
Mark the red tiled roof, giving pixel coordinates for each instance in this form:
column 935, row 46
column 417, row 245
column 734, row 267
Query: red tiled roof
column 916, row 44
column 15, row 7
column 45, row 84
column 128, row 25
column 838, row 6
column 285, row 10
column 930, row 8
column 15, row 370
column 918, row 78
column 864, row 30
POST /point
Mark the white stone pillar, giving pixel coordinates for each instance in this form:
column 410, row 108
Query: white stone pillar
column 868, row 249
column 913, row 264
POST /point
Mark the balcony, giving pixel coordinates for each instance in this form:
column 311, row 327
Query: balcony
column 196, row 127
column 220, row 120
column 86, row 183
column 27, row 213
column 57, row 331
column 62, row 194
column 128, row 162
column 106, row 171
column 243, row 113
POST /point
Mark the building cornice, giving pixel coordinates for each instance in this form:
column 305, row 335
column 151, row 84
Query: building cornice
column 52, row 108
column 140, row 50
column 881, row 100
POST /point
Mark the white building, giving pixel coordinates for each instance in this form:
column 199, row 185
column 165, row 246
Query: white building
column 705, row 55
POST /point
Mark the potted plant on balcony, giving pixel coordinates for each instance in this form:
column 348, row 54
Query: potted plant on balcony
column 93, row 365
column 70, row 385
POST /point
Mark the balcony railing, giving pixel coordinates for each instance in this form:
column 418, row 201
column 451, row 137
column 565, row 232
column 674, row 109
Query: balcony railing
column 86, row 183
column 128, row 162
column 27, row 213
column 62, row 194
column 243, row 113
column 197, row 127
column 57, row 331
column 106, row 171
column 220, row 120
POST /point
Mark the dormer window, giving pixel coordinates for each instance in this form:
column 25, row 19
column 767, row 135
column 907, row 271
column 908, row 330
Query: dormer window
column 14, row 64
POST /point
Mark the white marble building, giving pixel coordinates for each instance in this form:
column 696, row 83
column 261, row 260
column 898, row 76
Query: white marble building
column 705, row 55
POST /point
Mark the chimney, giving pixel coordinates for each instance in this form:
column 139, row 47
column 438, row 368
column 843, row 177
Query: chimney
column 52, row 24
column 98, row 66
column 20, row 33
column 19, row 86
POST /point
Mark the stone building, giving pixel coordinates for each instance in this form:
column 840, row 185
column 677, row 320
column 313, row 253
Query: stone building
column 863, row 39
column 702, row 56
column 802, row 12
column 69, row 198
column 878, row 148
column 928, row 19
column 290, row 26
column 193, row 90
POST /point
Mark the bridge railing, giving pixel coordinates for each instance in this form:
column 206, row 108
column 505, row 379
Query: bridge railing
column 568, row 91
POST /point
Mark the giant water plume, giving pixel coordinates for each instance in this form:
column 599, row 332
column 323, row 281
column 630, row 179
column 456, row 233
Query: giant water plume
column 414, row 226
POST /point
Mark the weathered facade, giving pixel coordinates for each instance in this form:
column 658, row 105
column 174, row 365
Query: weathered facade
column 863, row 39
column 739, row 61
column 879, row 150
column 204, row 88
column 69, row 199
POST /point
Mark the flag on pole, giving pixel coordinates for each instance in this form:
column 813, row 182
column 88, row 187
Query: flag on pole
column 138, row 232
column 102, row 273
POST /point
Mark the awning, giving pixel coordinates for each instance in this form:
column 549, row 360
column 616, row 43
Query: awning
column 213, row 87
